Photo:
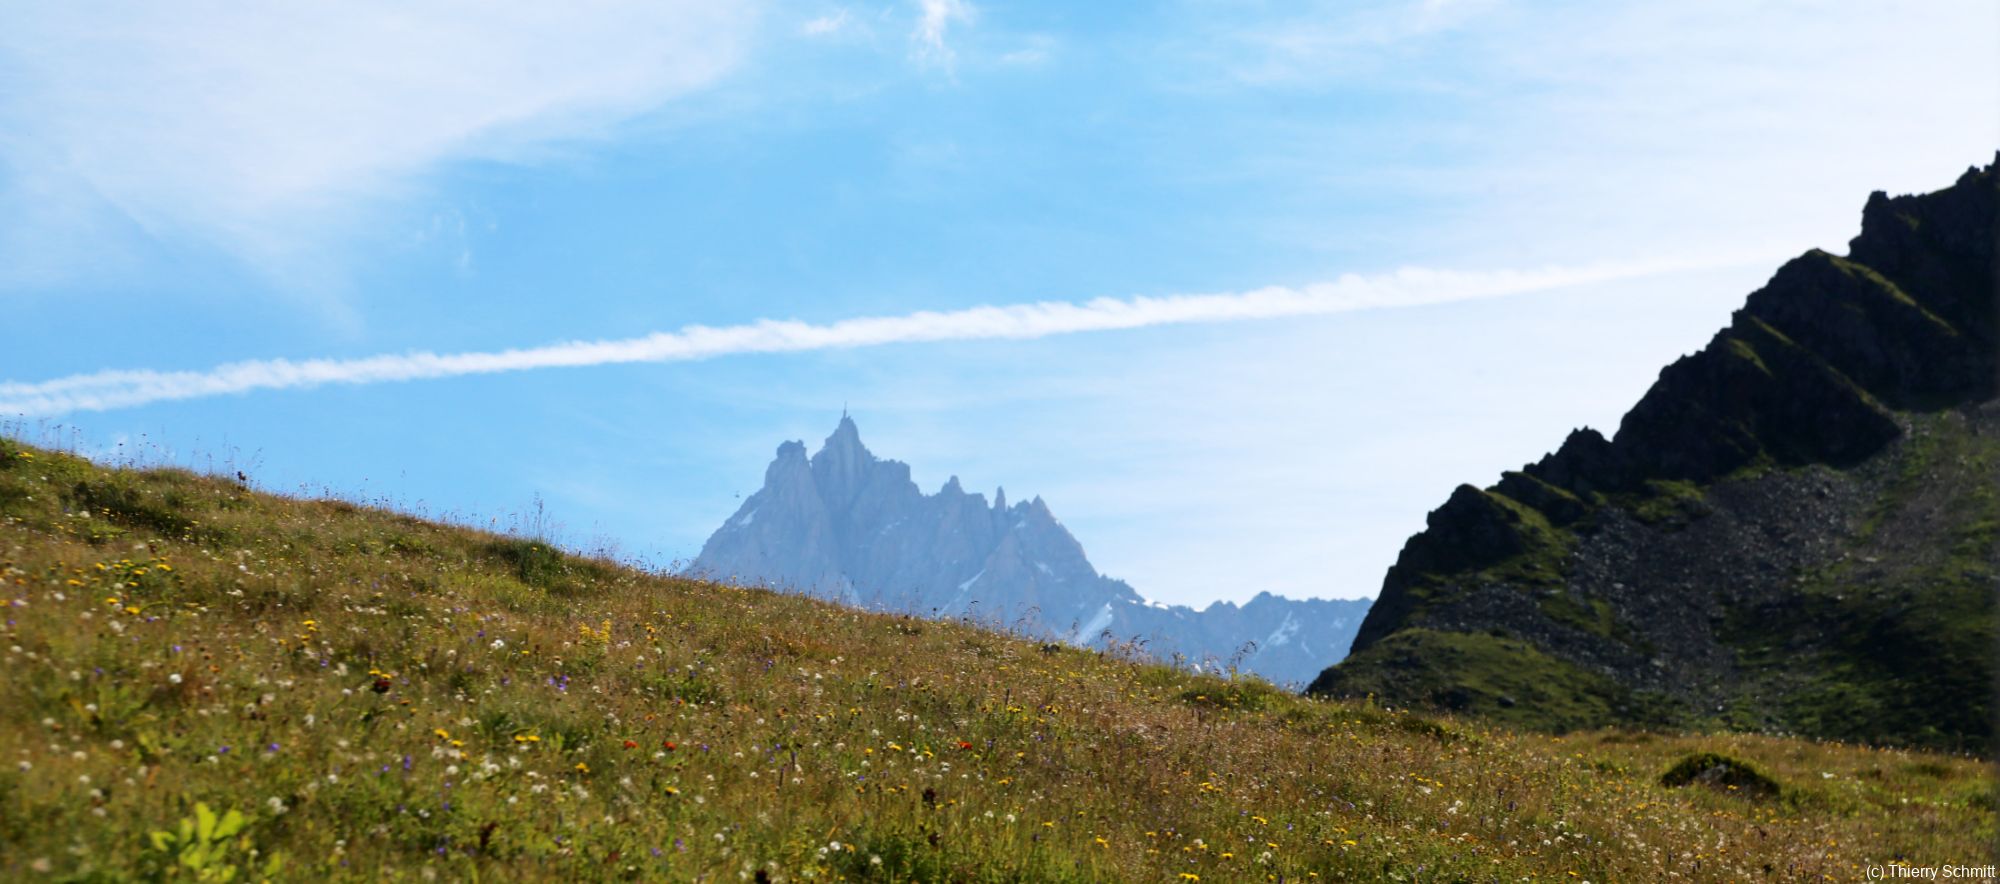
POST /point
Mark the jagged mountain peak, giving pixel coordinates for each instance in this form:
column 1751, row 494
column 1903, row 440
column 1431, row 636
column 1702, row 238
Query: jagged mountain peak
column 843, row 449
column 848, row 525
column 790, row 459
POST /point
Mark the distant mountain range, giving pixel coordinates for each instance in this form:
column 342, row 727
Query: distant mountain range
column 1796, row 529
column 846, row 525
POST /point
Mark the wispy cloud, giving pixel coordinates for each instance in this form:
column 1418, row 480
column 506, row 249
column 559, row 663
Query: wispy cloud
column 260, row 130
column 113, row 389
column 934, row 19
column 830, row 23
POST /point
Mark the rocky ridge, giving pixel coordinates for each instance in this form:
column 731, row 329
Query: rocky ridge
column 1794, row 529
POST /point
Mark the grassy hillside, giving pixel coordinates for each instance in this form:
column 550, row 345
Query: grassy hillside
column 377, row 697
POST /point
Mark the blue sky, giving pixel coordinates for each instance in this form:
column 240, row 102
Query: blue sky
column 1481, row 223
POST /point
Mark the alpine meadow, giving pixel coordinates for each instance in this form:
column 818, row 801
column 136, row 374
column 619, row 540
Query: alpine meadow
column 1415, row 441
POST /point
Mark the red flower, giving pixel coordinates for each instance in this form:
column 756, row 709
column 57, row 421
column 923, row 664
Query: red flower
column 631, row 745
column 668, row 745
column 964, row 745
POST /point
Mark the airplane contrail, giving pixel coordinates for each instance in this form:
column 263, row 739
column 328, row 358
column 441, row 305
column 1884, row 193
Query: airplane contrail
column 113, row 389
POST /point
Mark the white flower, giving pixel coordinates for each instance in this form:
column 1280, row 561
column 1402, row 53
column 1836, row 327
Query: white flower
column 174, row 677
column 498, row 643
column 276, row 804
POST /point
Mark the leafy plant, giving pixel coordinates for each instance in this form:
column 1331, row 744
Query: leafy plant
column 207, row 847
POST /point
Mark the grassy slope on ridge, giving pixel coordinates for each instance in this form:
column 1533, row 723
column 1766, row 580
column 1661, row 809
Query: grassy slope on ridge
column 385, row 698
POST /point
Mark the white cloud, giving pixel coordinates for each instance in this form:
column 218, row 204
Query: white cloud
column 933, row 21
column 264, row 129
column 830, row 23
column 1409, row 287
column 1586, row 128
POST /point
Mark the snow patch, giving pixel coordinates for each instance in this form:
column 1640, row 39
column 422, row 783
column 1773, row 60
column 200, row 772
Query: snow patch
column 969, row 581
column 1096, row 625
column 1283, row 633
column 745, row 519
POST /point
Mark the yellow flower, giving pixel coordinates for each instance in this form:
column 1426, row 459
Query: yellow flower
column 582, row 768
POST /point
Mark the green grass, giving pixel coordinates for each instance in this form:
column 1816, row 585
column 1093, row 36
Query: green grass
column 380, row 698
column 1907, row 619
column 1493, row 677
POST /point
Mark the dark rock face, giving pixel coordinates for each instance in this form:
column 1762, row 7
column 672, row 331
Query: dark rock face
column 848, row 526
column 1797, row 528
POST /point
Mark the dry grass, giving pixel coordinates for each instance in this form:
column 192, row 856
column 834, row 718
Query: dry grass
column 385, row 698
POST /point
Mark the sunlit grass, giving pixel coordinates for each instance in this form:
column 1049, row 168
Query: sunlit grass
column 382, row 697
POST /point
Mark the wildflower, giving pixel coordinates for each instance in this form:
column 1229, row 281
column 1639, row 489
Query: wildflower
column 174, row 677
column 629, row 744
column 668, row 745
column 582, row 768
